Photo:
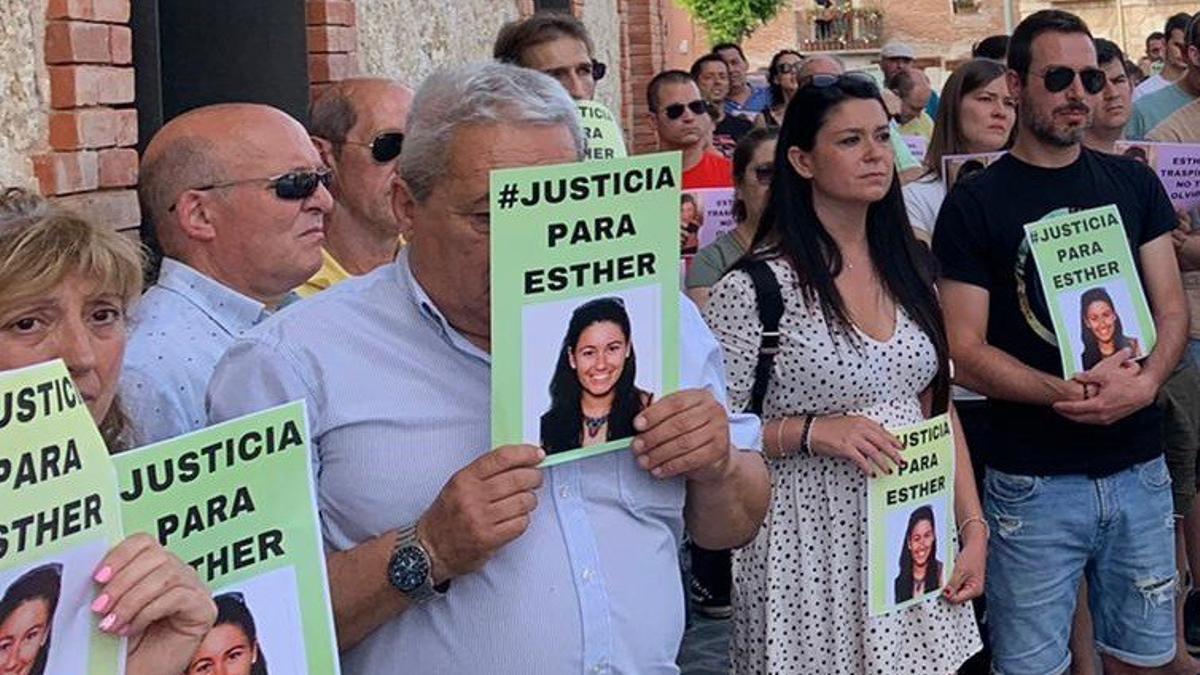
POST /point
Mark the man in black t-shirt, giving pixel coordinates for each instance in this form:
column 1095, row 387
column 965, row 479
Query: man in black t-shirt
column 711, row 74
column 1076, row 480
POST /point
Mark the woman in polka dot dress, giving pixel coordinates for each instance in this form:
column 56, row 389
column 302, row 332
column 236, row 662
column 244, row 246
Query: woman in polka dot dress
column 862, row 348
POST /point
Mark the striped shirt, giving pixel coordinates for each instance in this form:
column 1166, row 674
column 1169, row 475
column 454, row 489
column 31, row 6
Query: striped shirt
column 398, row 401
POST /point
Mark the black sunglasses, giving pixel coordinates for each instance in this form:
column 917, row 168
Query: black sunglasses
column 675, row 110
column 385, row 147
column 1059, row 78
column 598, row 70
column 291, row 186
column 763, row 173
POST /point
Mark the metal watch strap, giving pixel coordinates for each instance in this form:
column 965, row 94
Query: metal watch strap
column 425, row 592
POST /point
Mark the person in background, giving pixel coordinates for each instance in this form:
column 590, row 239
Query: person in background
column 744, row 98
column 1059, row 445
column 977, row 115
column 555, row 44
column 1151, row 63
column 753, row 167
column 861, row 350
column 784, row 76
column 1175, row 61
column 237, row 194
column 1135, row 74
column 681, row 119
column 711, row 74
column 912, row 88
column 1158, row 107
column 994, row 47
column 1182, row 124
column 897, row 56
column 68, row 286
column 1115, row 106
column 471, row 559
column 357, row 125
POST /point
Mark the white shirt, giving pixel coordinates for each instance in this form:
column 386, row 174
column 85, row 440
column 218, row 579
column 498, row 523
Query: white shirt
column 1151, row 85
column 923, row 199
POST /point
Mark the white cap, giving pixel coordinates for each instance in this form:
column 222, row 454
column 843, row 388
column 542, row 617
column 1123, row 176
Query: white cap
column 897, row 50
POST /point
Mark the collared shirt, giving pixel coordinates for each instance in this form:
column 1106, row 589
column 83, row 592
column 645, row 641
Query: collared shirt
column 181, row 327
column 398, row 401
column 760, row 100
column 331, row 272
column 921, row 125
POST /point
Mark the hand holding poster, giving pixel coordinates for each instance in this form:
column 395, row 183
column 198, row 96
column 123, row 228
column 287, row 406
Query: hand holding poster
column 1177, row 166
column 911, row 541
column 1092, row 288
column 585, row 301
column 236, row 502
column 59, row 516
column 602, row 138
column 955, row 167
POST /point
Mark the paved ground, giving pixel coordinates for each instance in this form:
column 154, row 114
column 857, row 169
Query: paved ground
column 705, row 648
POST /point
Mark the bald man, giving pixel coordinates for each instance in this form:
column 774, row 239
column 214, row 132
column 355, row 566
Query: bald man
column 237, row 194
column 358, row 127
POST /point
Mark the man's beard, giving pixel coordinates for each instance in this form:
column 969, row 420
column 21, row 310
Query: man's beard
column 1043, row 127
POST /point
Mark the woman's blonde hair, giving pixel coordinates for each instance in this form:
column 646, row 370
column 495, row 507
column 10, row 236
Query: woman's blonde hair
column 41, row 245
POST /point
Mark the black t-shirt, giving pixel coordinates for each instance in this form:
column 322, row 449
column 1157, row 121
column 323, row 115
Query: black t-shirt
column 980, row 240
column 729, row 132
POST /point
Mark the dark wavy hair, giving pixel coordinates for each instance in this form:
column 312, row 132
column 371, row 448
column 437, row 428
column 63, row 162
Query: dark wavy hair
column 948, row 138
column 933, row 567
column 562, row 424
column 44, row 583
column 232, row 610
column 1091, row 346
column 776, row 90
column 905, row 266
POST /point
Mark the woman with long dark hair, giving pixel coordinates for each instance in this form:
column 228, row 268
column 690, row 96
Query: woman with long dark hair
column 920, row 569
column 861, row 349
column 1101, row 330
column 231, row 647
column 783, row 75
column 27, row 620
column 594, row 395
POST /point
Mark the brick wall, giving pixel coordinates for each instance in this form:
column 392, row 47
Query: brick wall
column 332, row 42
column 91, row 165
column 642, row 56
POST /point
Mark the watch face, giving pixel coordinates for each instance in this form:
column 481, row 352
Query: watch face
column 409, row 569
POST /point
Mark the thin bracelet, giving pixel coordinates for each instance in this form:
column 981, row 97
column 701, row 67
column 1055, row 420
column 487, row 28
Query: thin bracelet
column 987, row 529
column 806, row 446
column 779, row 437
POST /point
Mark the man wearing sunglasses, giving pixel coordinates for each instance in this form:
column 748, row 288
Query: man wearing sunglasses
column 1155, row 109
column 557, row 45
column 680, row 116
column 358, row 127
column 237, row 195
column 1076, row 481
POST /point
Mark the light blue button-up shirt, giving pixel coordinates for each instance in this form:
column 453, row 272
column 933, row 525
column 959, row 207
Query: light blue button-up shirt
column 181, row 328
column 398, row 401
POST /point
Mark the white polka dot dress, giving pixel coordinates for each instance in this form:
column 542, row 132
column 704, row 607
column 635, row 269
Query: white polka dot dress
column 800, row 588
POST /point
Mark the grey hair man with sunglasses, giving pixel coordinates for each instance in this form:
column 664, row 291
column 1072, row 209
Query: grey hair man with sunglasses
column 237, row 194
column 358, row 127
column 1076, row 481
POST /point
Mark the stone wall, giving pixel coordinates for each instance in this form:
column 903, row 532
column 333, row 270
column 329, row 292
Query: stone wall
column 25, row 87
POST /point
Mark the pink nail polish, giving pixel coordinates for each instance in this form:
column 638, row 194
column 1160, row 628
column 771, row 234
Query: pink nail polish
column 108, row 622
column 103, row 575
column 100, row 603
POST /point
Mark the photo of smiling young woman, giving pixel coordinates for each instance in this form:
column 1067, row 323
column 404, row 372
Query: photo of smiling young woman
column 1101, row 330
column 920, row 569
column 594, row 396
column 27, row 619
column 231, row 646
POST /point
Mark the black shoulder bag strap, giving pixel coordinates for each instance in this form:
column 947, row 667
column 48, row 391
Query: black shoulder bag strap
column 770, row 311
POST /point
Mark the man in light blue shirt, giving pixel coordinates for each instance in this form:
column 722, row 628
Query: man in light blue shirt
column 571, row 569
column 744, row 98
column 1151, row 110
column 237, row 197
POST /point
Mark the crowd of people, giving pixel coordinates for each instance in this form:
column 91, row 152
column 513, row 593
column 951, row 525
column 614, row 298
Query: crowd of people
column 347, row 264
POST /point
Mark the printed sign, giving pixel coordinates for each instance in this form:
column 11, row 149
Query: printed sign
column 236, row 502
column 59, row 517
column 917, row 145
column 585, row 301
column 602, row 138
column 955, row 167
column 912, row 541
column 1177, row 166
column 1092, row 287
column 704, row 215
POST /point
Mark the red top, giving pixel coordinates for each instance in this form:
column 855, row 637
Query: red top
column 713, row 171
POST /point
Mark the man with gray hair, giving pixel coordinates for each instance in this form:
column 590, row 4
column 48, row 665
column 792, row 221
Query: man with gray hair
column 358, row 126
column 445, row 556
column 237, row 196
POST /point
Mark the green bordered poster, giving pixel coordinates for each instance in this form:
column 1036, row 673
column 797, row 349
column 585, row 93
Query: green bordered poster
column 59, row 517
column 236, row 502
column 602, row 134
column 1091, row 286
column 585, row 301
column 912, row 538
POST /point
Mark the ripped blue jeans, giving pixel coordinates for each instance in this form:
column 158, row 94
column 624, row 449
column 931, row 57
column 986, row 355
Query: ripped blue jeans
column 1049, row 531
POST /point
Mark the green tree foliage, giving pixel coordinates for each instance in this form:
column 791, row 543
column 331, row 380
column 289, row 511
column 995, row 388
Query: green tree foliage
column 732, row 20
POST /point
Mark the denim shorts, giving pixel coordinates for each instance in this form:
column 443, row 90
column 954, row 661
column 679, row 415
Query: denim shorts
column 1047, row 532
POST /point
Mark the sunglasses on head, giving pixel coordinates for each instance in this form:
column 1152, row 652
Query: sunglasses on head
column 1059, row 78
column 385, row 147
column 675, row 110
column 291, row 186
column 821, row 80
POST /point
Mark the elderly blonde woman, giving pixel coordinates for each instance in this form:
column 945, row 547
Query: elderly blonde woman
column 68, row 285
